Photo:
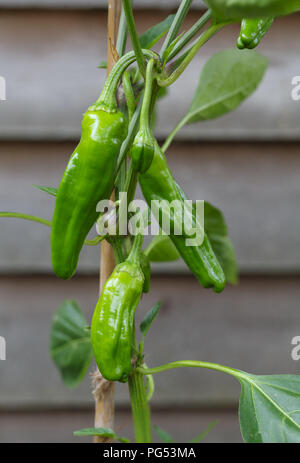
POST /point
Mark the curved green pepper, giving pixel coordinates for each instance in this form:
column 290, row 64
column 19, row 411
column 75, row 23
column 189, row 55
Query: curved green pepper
column 158, row 184
column 90, row 174
column 252, row 31
column 113, row 320
column 88, row 178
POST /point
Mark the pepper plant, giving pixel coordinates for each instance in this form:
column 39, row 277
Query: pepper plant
column 117, row 151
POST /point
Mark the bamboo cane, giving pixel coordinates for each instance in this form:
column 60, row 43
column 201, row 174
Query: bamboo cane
column 103, row 389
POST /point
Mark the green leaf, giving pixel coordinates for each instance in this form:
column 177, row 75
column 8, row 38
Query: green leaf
column 239, row 9
column 102, row 65
column 47, row 189
column 163, row 435
column 216, row 229
column 149, row 318
column 70, row 344
column 155, row 33
column 227, row 79
column 100, row 432
column 198, row 439
column 269, row 409
column 161, row 249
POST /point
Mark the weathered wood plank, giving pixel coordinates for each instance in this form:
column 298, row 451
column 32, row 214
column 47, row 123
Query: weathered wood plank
column 85, row 4
column 249, row 327
column 49, row 60
column 58, row 426
column 255, row 185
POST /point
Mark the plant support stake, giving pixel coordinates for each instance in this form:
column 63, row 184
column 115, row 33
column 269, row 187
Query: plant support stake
column 103, row 389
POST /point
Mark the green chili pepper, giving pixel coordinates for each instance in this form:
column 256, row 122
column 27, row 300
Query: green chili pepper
column 238, row 9
column 252, row 31
column 158, row 184
column 142, row 150
column 88, row 178
column 112, row 326
column 90, row 174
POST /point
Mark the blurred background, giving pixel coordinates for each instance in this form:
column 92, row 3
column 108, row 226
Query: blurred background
column 245, row 163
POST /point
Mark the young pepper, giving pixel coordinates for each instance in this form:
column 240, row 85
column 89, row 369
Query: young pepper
column 90, row 174
column 158, row 184
column 112, row 326
column 252, row 31
column 142, row 150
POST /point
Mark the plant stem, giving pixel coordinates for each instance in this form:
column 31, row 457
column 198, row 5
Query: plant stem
column 140, row 408
column 129, row 94
column 107, row 99
column 192, row 364
column 190, row 34
column 118, row 250
column 137, row 389
column 172, row 134
column 147, row 98
column 174, row 76
column 165, row 82
column 122, row 35
column 136, row 248
column 176, row 24
column 130, row 183
column 130, row 136
column 134, row 36
column 32, row 218
column 121, row 179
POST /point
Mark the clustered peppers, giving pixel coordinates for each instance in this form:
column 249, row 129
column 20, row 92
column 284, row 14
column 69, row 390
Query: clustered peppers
column 90, row 174
column 89, row 177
